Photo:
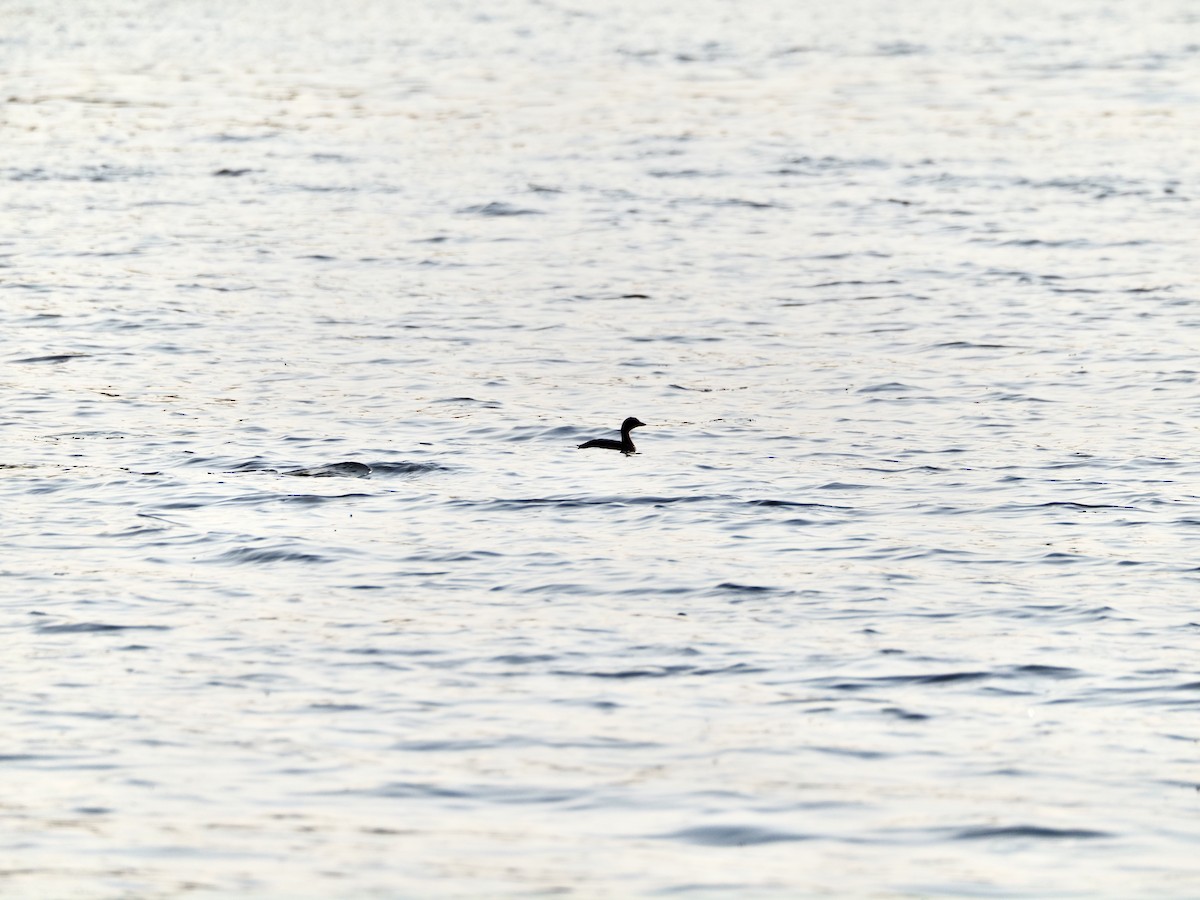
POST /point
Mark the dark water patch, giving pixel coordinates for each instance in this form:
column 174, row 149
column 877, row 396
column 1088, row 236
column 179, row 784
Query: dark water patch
column 498, row 209
column 456, row 556
column 1157, row 289
column 1141, row 696
column 394, row 651
column 822, row 165
column 469, row 401
column 220, row 288
column 709, row 52
column 255, row 499
column 887, row 387
column 224, row 137
column 675, row 339
column 686, row 173
column 462, row 745
column 706, row 889
column 733, row 836
column 99, row 715
column 739, row 203
column 562, row 587
column 968, row 345
column 605, row 295
column 1035, row 832
column 1012, row 397
column 853, row 283
column 441, row 264
column 625, row 674
column 952, row 211
column 733, row 587
column 792, row 504
column 375, row 664
column 852, row 753
column 1060, row 558
column 1097, row 188
column 1061, row 504
column 734, row 669
column 1057, row 612
column 348, row 469
column 95, row 628
column 928, row 469
column 904, row 714
column 409, row 791
column 861, row 684
column 241, row 555
column 900, row 48
column 521, row 434
column 1176, row 783
column 406, row 468
column 328, row 188
column 54, row 358
column 505, row 793
column 96, row 174
column 580, row 502
column 652, row 591
column 793, row 303
column 1035, row 242
column 318, row 499
column 255, row 464
column 1044, row 671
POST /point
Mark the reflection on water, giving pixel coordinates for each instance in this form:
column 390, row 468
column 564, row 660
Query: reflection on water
column 312, row 594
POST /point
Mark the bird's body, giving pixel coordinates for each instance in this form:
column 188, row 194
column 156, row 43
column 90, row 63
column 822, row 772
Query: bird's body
column 625, row 444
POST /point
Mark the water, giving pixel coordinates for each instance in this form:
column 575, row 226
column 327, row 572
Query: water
column 307, row 592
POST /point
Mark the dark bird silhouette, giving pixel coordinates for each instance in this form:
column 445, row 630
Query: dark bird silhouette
column 625, row 444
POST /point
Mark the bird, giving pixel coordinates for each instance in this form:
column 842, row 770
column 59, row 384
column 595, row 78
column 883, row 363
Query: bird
column 625, row 444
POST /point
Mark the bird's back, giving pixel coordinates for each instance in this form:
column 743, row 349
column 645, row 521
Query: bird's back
column 605, row 443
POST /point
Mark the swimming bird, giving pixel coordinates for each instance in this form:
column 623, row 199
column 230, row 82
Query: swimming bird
column 625, row 444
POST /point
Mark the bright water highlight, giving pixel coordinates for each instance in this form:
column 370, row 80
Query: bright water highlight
column 308, row 593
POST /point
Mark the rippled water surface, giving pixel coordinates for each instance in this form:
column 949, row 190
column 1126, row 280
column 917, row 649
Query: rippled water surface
column 304, row 309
